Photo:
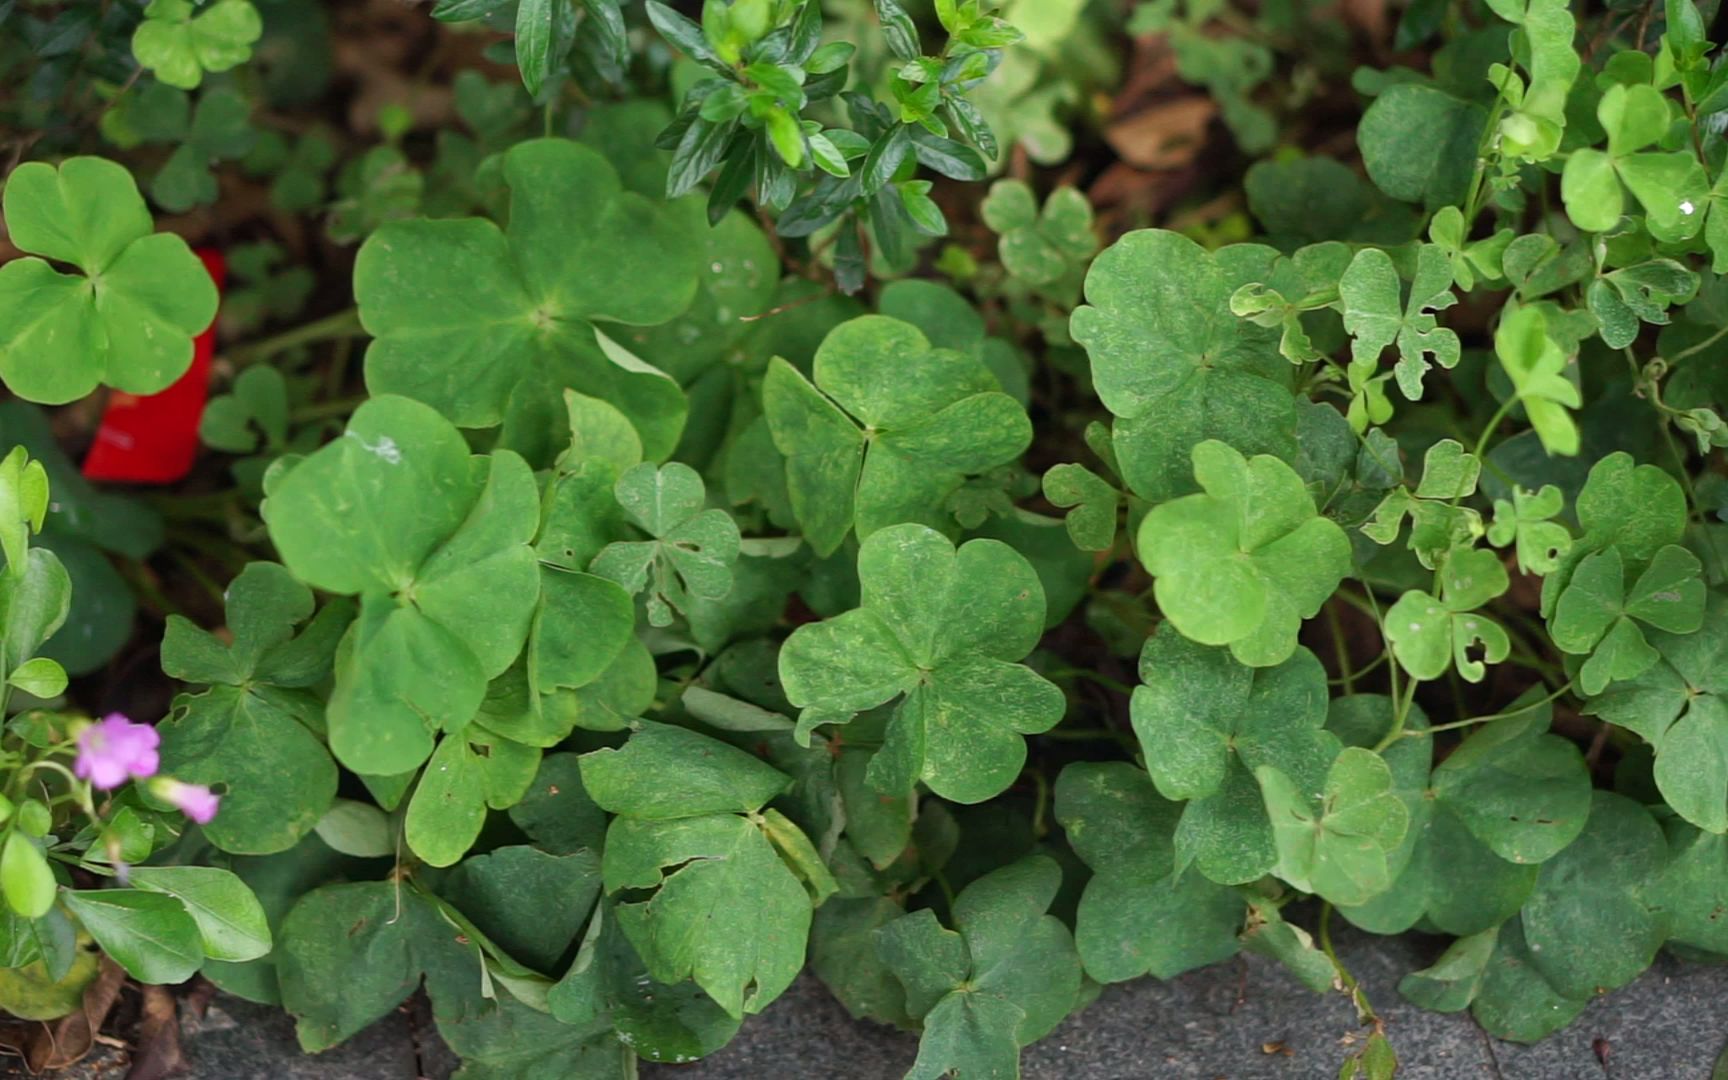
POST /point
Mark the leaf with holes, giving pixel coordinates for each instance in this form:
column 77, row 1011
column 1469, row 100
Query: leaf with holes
column 1429, row 634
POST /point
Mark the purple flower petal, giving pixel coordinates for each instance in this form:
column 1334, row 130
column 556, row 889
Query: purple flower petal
column 194, row 800
column 115, row 750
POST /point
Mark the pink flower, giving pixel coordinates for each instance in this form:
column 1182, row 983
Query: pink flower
column 194, row 800
column 116, row 750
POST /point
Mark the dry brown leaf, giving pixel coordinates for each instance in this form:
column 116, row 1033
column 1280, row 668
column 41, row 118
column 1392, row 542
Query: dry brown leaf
column 1167, row 135
column 63, row 1042
column 1370, row 17
column 157, row 1056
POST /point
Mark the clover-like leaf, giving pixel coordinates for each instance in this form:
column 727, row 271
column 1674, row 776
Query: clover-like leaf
column 1522, row 791
column 1002, row 979
column 1525, row 521
column 1138, row 914
column 1438, row 524
column 725, row 907
column 1680, row 707
column 1672, row 186
column 1377, row 314
column 1337, row 845
column 1243, row 563
column 1622, row 300
column 1419, row 143
column 1040, row 247
column 1535, row 364
column 940, row 630
column 436, row 544
column 256, row 729
column 1172, row 362
column 1206, row 722
column 1590, row 931
column 220, row 129
column 127, row 320
column 489, row 326
column 1266, row 306
column 256, row 406
column 1598, row 614
column 529, row 902
column 1469, row 259
column 1428, row 635
column 1515, row 1000
column 179, row 43
column 692, row 550
column 1448, row 472
column 889, row 429
column 1694, row 886
column 350, row 953
column 1637, row 508
column 1451, row 983
column 1094, row 502
column 1510, row 797
column 609, row 987
column 469, row 772
column 1308, row 281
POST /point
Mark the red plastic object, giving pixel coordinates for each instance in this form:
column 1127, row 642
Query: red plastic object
column 154, row 439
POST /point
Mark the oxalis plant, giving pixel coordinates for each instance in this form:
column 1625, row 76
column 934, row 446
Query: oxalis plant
column 678, row 609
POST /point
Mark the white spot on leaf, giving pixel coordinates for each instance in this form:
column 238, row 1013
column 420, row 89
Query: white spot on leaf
column 385, row 448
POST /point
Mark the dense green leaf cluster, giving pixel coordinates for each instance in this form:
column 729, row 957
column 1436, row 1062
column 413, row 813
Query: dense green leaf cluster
column 673, row 612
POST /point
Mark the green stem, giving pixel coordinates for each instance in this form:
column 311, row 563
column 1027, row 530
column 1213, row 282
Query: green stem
column 1488, row 432
column 1366, row 670
column 1084, row 735
column 1091, row 676
column 1040, row 805
column 947, row 889
column 342, row 324
column 1372, row 607
column 1696, row 511
column 1401, row 714
column 1698, row 348
column 324, row 410
column 1519, row 711
column 1346, row 677
column 1473, row 205
column 1364, row 1011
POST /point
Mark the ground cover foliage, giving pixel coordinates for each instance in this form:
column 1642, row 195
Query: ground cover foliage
column 696, row 493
